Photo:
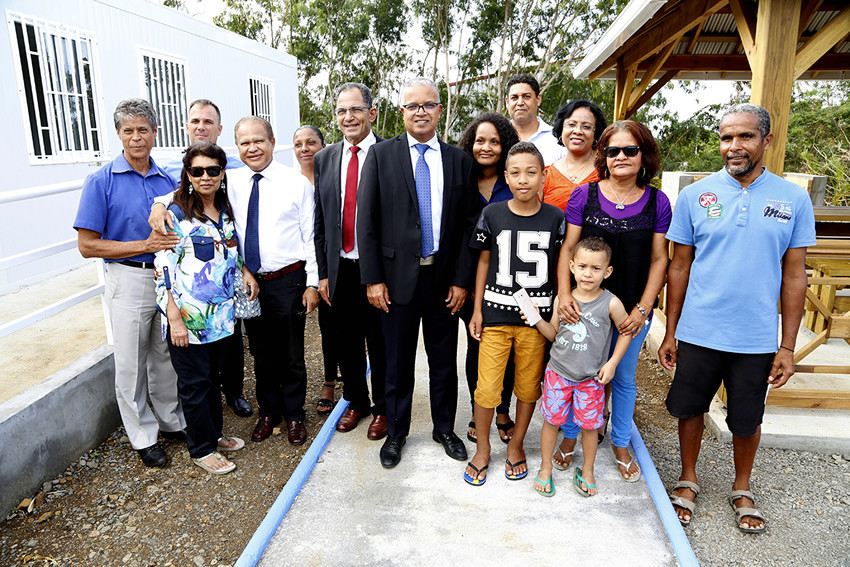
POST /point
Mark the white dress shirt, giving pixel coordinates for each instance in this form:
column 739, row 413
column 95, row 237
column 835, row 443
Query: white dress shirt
column 285, row 222
column 434, row 159
column 547, row 144
column 364, row 146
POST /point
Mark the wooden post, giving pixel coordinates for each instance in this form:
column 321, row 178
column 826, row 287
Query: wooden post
column 774, row 52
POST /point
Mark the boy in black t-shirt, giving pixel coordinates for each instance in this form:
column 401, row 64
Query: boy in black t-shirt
column 519, row 241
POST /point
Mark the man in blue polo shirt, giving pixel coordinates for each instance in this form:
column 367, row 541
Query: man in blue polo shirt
column 204, row 125
column 112, row 224
column 739, row 247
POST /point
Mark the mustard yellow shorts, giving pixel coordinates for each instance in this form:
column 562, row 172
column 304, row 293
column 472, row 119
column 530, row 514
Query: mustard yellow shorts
column 496, row 344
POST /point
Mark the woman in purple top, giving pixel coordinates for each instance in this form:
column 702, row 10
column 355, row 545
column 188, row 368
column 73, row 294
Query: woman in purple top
column 487, row 139
column 632, row 217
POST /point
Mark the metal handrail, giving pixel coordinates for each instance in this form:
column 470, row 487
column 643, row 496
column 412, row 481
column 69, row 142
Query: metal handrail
column 47, row 251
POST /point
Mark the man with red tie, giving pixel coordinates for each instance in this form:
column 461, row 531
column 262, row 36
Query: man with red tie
column 337, row 174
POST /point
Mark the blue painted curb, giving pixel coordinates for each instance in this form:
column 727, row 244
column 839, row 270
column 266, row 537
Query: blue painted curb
column 267, row 528
column 678, row 539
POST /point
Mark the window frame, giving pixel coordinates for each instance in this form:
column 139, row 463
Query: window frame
column 171, row 128
column 268, row 84
column 62, row 132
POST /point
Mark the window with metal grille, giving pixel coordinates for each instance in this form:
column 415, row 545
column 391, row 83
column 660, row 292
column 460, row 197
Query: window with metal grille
column 165, row 88
column 55, row 68
column 262, row 97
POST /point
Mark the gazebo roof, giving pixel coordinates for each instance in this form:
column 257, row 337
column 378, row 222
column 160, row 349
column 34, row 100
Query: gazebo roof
column 706, row 39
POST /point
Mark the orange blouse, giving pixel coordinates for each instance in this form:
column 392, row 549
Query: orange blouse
column 557, row 188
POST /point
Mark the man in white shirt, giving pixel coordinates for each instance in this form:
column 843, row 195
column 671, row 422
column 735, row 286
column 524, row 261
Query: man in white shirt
column 275, row 201
column 523, row 100
column 337, row 176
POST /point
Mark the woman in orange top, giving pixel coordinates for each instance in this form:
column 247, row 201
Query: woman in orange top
column 577, row 127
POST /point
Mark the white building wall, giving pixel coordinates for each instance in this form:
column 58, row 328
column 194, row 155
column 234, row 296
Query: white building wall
column 218, row 66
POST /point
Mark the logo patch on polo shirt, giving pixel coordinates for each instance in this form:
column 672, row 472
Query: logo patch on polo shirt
column 707, row 199
column 779, row 210
column 714, row 211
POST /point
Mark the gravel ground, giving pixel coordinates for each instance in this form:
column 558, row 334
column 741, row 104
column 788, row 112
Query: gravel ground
column 804, row 496
column 108, row 509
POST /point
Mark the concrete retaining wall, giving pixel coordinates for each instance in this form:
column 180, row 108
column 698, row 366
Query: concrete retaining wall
column 51, row 424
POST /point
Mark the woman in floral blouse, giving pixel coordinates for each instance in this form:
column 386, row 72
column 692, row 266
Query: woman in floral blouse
column 195, row 290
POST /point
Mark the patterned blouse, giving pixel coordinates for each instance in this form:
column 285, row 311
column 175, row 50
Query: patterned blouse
column 199, row 274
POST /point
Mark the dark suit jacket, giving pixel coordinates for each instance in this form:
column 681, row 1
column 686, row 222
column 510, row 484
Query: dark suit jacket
column 328, row 218
column 388, row 234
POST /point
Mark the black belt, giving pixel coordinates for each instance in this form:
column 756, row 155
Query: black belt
column 349, row 260
column 281, row 272
column 134, row 264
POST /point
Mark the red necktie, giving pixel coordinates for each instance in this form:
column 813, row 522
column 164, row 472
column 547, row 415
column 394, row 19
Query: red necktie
column 350, row 205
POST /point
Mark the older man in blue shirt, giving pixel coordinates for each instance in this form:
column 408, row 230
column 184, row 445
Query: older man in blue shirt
column 112, row 224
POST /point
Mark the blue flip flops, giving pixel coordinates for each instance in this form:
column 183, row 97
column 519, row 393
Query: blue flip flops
column 474, row 480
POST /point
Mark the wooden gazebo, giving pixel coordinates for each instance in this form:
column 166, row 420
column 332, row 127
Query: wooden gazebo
column 770, row 42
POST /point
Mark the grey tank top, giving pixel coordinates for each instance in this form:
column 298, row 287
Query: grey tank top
column 580, row 350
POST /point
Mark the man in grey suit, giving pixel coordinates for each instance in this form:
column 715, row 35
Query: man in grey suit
column 417, row 207
column 337, row 175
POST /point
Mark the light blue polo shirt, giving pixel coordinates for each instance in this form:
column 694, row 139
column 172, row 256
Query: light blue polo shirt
column 739, row 237
column 117, row 199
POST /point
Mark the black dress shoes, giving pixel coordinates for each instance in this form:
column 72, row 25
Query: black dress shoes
column 452, row 444
column 153, row 456
column 239, row 405
column 391, row 451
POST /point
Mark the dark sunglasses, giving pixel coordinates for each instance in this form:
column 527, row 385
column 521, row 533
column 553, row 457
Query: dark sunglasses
column 212, row 171
column 614, row 151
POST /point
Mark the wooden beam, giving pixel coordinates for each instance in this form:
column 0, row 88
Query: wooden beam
column 797, row 398
column 658, row 32
column 809, row 9
column 623, row 89
column 650, row 73
column 745, row 21
column 733, row 62
column 695, row 37
column 820, row 43
column 650, row 92
column 772, row 64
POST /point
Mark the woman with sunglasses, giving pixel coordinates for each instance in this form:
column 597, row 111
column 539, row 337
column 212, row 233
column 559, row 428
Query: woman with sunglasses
column 632, row 217
column 577, row 127
column 487, row 140
column 195, row 291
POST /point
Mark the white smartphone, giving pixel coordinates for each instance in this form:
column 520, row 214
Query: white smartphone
column 524, row 301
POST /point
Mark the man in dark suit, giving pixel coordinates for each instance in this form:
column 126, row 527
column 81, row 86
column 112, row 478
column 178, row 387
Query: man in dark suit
column 355, row 324
column 417, row 208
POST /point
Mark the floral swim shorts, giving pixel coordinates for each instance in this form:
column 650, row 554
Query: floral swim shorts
column 585, row 400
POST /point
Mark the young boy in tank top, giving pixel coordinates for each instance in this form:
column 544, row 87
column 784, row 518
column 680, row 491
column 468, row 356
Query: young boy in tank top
column 578, row 365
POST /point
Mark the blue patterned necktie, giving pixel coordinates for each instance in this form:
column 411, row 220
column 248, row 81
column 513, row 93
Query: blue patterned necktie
column 422, row 177
column 252, row 230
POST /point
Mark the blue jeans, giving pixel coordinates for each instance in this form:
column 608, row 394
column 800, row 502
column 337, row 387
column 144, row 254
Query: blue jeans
column 623, row 394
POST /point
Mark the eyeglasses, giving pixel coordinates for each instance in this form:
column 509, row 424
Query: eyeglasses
column 585, row 126
column 414, row 108
column 340, row 112
column 212, row 171
column 613, row 151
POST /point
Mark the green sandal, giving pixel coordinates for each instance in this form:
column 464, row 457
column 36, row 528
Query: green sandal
column 578, row 481
column 548, row 483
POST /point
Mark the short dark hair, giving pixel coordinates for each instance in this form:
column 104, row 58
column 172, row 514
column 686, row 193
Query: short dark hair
column 567, row 110
column 594, row 244
column 205, row 102
column 523, row 78
column 313, row 128
column 191, row 203
column 266, row 124
column 364, row 92
column 507, row 137
column 650, row 160
column 525, row 148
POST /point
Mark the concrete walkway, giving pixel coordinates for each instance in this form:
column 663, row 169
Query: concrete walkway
column 351, row 511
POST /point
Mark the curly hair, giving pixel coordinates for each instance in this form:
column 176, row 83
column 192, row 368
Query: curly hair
column 191, row 203
column 507, row 137
column 650, row 160
column 567, row 110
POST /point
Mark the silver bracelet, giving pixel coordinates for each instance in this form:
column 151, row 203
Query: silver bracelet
column 642, row 310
